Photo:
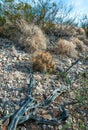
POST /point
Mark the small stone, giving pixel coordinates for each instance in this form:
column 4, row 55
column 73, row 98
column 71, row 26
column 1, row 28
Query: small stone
column 60, row 127
column 37, row 77
column 69, row 62
column 72, row 95
column 4, row 59
column 17, row 107
column 23, row 128
column 49, row 117
column 44, row 112
column 14, row 51
column 74, row 85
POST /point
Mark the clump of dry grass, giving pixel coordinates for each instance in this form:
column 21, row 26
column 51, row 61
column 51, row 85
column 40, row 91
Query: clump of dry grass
column 10, row 31
column 43, row 62
column 78, row 43
column 81, row 31
column 86, row 42
column 32, row 36
column 66, row 48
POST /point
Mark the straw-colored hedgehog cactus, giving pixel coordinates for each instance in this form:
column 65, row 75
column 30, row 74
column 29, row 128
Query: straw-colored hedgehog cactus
column 43, row 62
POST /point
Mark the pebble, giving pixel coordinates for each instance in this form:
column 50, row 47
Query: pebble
column 69, row 62
column 48, row 116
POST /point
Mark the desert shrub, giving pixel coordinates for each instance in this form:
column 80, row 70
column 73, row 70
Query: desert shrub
column 2, row 20
column 86, row 41
column 78, row 43
column 43, row 62
column 32, row 37
column 80, row 31
column 11, row 11
column 39, row 12
column 62, row 31
column 10, row 31
column 66, row 48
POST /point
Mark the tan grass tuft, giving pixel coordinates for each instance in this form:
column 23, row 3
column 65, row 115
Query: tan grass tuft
column 32, row 38
column 78, row 43
column 66, row 47
column 81, row 31
column 43, row 62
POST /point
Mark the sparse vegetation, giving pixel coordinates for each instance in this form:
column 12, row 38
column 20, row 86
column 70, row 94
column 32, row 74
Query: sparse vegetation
column 45, row 13
column 78, row 43
column 66, row 48
column 42, row 28
column 43, row 62
column 32, row 37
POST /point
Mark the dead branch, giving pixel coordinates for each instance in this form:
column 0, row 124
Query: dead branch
column 19, row 116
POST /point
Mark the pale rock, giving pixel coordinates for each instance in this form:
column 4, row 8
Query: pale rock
column 17, row 107
column 15, row 58
column 23, row 128
column 26, row 58
column 44, row 112
column 48, row 116
column 72, row 95
column 60, row 127
column 68, row 62
column 4, row 59
column 20, row 58
column 74, row 85
column 39, row 89
column 37, row 77
column 14, row 51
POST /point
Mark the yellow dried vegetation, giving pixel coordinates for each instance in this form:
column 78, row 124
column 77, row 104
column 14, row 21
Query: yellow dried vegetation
column 66, row 48
column 32, row 37
column 78, row 43
column 43, row 62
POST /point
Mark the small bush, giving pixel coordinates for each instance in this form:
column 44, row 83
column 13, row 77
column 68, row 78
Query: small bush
column 2, row 21
column 32, row 37
column 66, row 47
column 81, row 31
column 43, row 62
column 9, row 30
column 39, row 12
column 78, row 43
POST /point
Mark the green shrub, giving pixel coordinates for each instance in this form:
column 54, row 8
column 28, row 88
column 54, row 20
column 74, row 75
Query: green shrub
column 45, row 13
column 2, row 20
column 41, row 12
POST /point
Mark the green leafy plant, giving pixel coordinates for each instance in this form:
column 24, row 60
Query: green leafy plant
column 42, row 12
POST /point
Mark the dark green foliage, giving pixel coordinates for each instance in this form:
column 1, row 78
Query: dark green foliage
column 42, row 12
column 2, row 20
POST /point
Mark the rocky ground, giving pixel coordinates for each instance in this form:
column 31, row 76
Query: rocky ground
column 14, row 80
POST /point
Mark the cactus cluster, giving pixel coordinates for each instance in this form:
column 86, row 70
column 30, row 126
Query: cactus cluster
column 43, row 62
